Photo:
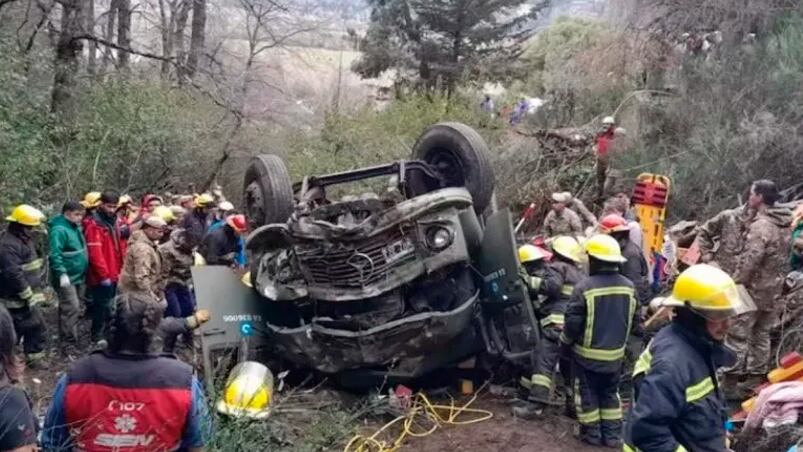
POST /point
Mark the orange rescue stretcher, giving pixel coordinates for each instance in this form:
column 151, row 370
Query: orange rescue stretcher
column 650, row 198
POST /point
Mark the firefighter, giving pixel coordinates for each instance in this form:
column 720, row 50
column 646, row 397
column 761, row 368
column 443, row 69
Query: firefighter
column 533, row 262
column 678, row 403
column 598, row 321
column 557, row 285
column 21, row 280
column 635, row 268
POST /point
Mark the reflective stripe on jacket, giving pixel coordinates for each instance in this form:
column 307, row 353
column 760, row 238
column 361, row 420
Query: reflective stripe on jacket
column 678, row 404
column 599, row 318
column 21, row 272
column 558, row 286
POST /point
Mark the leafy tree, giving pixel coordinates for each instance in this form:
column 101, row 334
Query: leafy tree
column 443, row 41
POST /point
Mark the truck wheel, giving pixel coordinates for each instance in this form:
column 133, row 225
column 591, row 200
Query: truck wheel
column 460, row 155
column 268, row 191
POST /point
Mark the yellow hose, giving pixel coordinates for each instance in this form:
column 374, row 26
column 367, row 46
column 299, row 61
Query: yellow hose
column 421, row 407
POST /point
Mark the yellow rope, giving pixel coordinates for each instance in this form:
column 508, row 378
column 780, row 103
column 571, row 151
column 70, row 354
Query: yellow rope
column 421, row 407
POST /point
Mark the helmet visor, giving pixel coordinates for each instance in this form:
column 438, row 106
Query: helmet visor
column 732, row 302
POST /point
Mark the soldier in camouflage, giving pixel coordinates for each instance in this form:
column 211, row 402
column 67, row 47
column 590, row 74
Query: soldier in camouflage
column 561, row 220
column 142, row 267
column 721, row 238
column 761, row 268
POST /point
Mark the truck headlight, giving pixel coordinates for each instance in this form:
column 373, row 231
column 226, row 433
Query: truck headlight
column 438, row 238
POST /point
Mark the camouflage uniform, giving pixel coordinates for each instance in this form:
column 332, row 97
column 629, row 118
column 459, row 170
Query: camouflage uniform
column 176, row 262
column 761, row 268
column 721, row 238
column 142, row 268
column 564, row 223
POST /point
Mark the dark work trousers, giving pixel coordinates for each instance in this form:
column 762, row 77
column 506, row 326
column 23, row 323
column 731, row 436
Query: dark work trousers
column 102, row 297
column 30, row 327
column 599, row 410
column 545, row 359
column 180, row 300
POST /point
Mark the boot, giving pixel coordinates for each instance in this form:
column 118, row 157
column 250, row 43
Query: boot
column 36, row 361
column 732, row 389
column 528, row 410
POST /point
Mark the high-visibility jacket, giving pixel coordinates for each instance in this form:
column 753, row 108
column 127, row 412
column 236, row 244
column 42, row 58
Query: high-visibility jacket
column 559, row 281
column 21, row 272
column 678, row 405
column 136, row 403
column 599, row 318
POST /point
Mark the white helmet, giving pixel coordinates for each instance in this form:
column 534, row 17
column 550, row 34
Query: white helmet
column 608, row 120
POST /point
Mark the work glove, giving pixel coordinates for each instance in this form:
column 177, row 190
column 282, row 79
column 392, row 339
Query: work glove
column 37, row 298
column 64, row 280
column 199, row 318
column 106, row 282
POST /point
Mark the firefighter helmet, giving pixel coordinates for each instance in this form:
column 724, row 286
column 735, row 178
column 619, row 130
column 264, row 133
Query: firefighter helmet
column 530, row 253
column 568, row 247
column 604, row 248
column 26, row 215
column 91, row 199
column 613, row 223
column 248, row 392
column 707, row 290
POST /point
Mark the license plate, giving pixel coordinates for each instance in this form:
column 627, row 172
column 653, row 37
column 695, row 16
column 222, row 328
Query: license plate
column 398, row 250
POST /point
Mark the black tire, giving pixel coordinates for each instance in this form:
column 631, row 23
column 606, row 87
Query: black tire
column 267, row 191
column 460, row 154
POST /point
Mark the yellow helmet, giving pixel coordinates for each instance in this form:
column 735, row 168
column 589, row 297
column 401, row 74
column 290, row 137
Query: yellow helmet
column 124, row 200
column 165, row 213
column 246, row 279
column 203, row 200
column 568, row 248
column 530, row 253
column 248, row 391
column 26, row 215
column 91, row 199
column 706, row 288
column 604, row 248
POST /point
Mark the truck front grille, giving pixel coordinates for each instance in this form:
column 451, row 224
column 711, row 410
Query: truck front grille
column 354, row 265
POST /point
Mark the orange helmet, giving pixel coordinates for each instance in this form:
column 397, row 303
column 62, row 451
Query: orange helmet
column 237, row 222
column 613, row 223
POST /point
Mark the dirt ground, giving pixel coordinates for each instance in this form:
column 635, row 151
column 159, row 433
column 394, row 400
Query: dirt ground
column 553, row 433
column 502, row 432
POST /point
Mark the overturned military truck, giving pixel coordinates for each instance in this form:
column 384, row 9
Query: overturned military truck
column 394, row 282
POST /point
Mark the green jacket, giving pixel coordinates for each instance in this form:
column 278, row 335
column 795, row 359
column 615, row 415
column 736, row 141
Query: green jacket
column 67, row 250
column 797, row 259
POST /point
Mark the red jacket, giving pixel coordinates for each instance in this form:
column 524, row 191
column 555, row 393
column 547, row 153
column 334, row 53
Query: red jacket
column 106, row 249
column 604, row 141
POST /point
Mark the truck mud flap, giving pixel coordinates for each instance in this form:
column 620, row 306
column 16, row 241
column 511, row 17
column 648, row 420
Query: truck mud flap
column 508, row 325
column 404, row 345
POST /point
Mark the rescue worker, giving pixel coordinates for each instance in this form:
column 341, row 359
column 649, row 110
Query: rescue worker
column 635, row 268
column 170, row 219
column 142, row 268
column 90, row 202
column 561, row 220
column 125, row 397
column 68, row 265
column 220, row 246
column 678, row 405
column 197, row 222
column 177, row 259
column 106, row 248
column 599, row 318
column 21, row 274
column 560, row 277
column 224, row 209
column 761, row 269
column 604, row 139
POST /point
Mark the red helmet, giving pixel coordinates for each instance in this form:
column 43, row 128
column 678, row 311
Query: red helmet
column 237, row 222
column 613, row 223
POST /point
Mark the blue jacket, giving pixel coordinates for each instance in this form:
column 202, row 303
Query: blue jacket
column 599, row 318
column 678, row 404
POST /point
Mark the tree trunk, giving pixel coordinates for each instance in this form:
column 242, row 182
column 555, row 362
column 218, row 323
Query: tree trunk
column 167, row 37
column 109, row 34
column 197, row 37
column 66, row 61
column 92, row 59
column 182, row 15
column 124, row 32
